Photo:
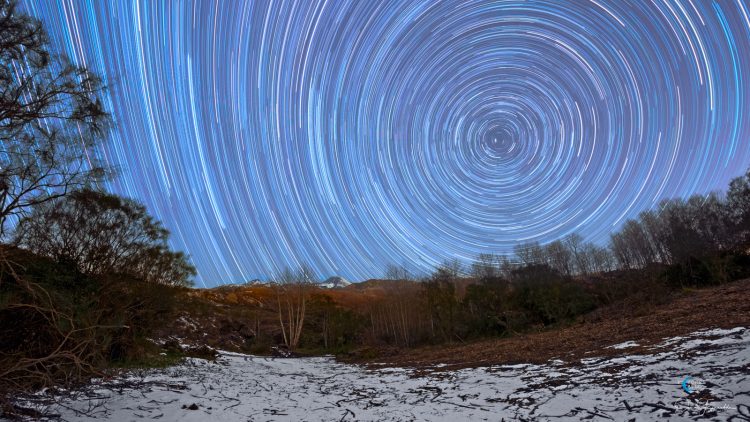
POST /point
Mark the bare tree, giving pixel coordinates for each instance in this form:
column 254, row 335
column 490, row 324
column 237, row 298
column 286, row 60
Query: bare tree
column 523, row 253
column 621, row 251
column 639, row 243
column 738, row 204
column 453, row 267
column 51, row 117
column 442, row 303
column 530, row 253
column 293, row 289
column 486, row 266
column 397, row 272
column 582, row 261
column 506, row 267
column 600, row 258
column 559, row 257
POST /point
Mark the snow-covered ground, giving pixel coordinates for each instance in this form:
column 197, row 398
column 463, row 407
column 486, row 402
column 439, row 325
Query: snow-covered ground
column 714, row 365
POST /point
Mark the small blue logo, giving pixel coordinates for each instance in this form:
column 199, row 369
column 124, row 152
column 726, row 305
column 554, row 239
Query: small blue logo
column 686, row 385
column 689, row 385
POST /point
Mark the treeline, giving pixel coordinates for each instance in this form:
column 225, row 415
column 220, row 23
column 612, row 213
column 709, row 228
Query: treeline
column 698, row 242
column 84, row 275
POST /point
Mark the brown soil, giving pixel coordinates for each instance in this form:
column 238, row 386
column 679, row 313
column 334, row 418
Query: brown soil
column 726, row 306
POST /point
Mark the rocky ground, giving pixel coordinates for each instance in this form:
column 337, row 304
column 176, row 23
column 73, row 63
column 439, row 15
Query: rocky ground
column 701, row 376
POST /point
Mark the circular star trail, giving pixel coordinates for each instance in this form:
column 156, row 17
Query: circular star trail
column 349, row 135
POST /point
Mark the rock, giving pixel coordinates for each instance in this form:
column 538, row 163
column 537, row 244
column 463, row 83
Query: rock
column 282, row 352
column 202, row 352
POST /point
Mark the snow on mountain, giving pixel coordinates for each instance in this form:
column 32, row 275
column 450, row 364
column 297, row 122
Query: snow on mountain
column 335, row 282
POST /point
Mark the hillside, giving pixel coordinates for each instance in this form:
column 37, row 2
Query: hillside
column 720, row 307
column 245, row 319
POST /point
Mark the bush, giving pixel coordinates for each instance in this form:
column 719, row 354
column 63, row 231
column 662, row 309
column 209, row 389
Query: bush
column 330, row 327
column 102, row 234
column 708, row 271
column 59, row 326
column 487, row 307
column 554, row 301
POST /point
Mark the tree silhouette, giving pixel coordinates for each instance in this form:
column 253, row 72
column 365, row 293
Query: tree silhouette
column 51, row 117
column 101, row 233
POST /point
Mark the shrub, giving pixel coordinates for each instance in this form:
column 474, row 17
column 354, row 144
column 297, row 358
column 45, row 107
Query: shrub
column 487, row 307
column 546, row 297
column 60, row 326
column 104, row 234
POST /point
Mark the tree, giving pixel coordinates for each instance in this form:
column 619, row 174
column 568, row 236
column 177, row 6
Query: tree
column 619, row 247
column 530, row 253
column 293, row 290
column 487, row 306
column 440, row 291
column 506, row 267
column 738, row 209
column 453, row 268
column 397, row 273
column 559, row 257
column 600, row 258
column 486, row 266
column 639, row 243
column 654, row 223
column 579, row 252
column 51, row 117
column 101, row 233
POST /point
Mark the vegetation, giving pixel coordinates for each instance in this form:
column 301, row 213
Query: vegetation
column 60, row 325
column 100, row 233
column 85, row 276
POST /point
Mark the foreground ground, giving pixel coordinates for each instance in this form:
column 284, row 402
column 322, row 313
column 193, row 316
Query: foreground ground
column 704, row 375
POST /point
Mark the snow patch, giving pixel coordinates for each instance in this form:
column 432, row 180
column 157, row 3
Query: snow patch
column 625, row 345
column 335, row 282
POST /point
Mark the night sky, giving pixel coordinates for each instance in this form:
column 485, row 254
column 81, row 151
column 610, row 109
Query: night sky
column 350, row 135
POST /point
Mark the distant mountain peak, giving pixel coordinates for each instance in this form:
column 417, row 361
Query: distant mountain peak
column 335, row 282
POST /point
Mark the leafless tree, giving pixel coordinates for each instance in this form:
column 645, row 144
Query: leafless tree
column 559, row 257
column 738, row 204
column 600, row 258
column 486, row 266
column 293, row 289
column 578, row 250
column 397, row 272
column 531, row 253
